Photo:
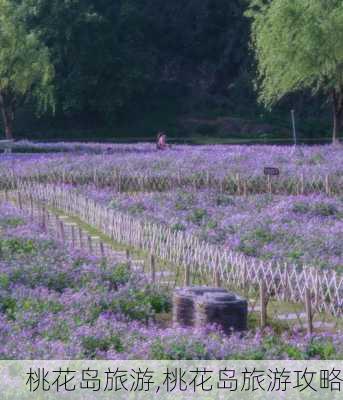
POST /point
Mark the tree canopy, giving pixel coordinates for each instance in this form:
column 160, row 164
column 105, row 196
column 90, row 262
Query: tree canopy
column 25, row 67
column 299, row 45
column 114, row 57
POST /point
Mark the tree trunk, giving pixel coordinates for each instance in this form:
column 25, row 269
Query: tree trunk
column 7, row 111
column 337, row 101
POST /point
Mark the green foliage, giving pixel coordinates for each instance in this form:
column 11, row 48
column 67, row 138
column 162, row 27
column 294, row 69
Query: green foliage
column 301, row 207
column 25, row 67
column 224, row 200
column 59, row 281
column 141, row 304
column 11, row 222
column 4, row 281
column 17, row 246
column 137, row 208
column 318, row 209
column 197, row 216
column 321, row 349
column 109, row 55
column 298, row 44
column 92, row 345
column 184, row 200
column 8, row 306
column 120, row 275
column 179, row 349
column 178, row 227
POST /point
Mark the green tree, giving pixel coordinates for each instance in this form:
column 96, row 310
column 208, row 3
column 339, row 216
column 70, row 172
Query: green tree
column 299, row 45
column 25, row 67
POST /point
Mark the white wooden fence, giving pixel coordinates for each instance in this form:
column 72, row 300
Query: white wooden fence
column 284, row 281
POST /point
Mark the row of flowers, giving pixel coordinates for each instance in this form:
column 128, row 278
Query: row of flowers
column 58, row 304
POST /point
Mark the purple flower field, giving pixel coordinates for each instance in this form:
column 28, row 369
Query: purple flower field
column 304, row 230
column 58, row 304
column 144, row 161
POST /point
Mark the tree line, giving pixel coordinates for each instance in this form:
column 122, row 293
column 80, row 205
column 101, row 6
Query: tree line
column 99, row 60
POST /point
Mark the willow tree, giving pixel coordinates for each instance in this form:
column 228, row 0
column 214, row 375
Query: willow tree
column 25, row 68
column 299, row 45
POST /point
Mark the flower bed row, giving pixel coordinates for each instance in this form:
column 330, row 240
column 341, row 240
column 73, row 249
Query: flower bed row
column 140, row 167
column 302, row 230
column 67, row 305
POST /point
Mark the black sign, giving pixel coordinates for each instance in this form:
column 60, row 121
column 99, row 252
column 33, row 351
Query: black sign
column 271, row 171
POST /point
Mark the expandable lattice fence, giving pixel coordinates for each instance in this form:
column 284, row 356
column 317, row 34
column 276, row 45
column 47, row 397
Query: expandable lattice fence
column 285, row 282
column 234, row 184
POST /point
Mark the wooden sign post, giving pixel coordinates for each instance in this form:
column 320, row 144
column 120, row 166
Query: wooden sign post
column 269, row 172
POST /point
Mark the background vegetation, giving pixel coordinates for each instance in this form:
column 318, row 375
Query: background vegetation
column 126, row 69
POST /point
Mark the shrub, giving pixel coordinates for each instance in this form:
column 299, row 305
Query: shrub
column 225, row 200
column 184, row 201
column 92, row 345
column 119, row 276
column 19, row 246
column 11, row 222
column 197, row 216
column 8, row 306
column 321, row 349
column 301, row 207
column 140, row 303
column 137, row 208
column 4, row 281
column 178, row 227
column 324, row 209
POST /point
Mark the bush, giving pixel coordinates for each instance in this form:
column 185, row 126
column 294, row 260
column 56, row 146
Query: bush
column 178, row 227
column 180, row 348
column 225, row 200
column 19, row 246
column 184, row 201
column 301, row 208
column 140, row 304
column 92, row 345
column 324, row 209
column 11, row 222
column 8, row 306
column 119, row 276
column 197, row 216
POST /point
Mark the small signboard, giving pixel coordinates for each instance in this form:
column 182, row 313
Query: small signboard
column 269, row 171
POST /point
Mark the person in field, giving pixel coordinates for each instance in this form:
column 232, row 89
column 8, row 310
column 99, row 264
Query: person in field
column 161, row 143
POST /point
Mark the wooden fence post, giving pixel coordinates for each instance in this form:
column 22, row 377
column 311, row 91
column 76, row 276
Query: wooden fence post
column 238, row 179
column 263, row 303
column 102, row 249
column 187, row 275
column 317, row 290
column 81, row 238
column 309, row 314
column 20, row 201
column 73, row 238
column 327, row 185
column 62, row 232
column 217, row 280
column 128, row 258
column 302, row 184
column 245, row 279
column 44, row 225
column 31, row 207
column 286, row 285
column 90, row 244
column 245, row 188
column 269, row 184
column 153, row 268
